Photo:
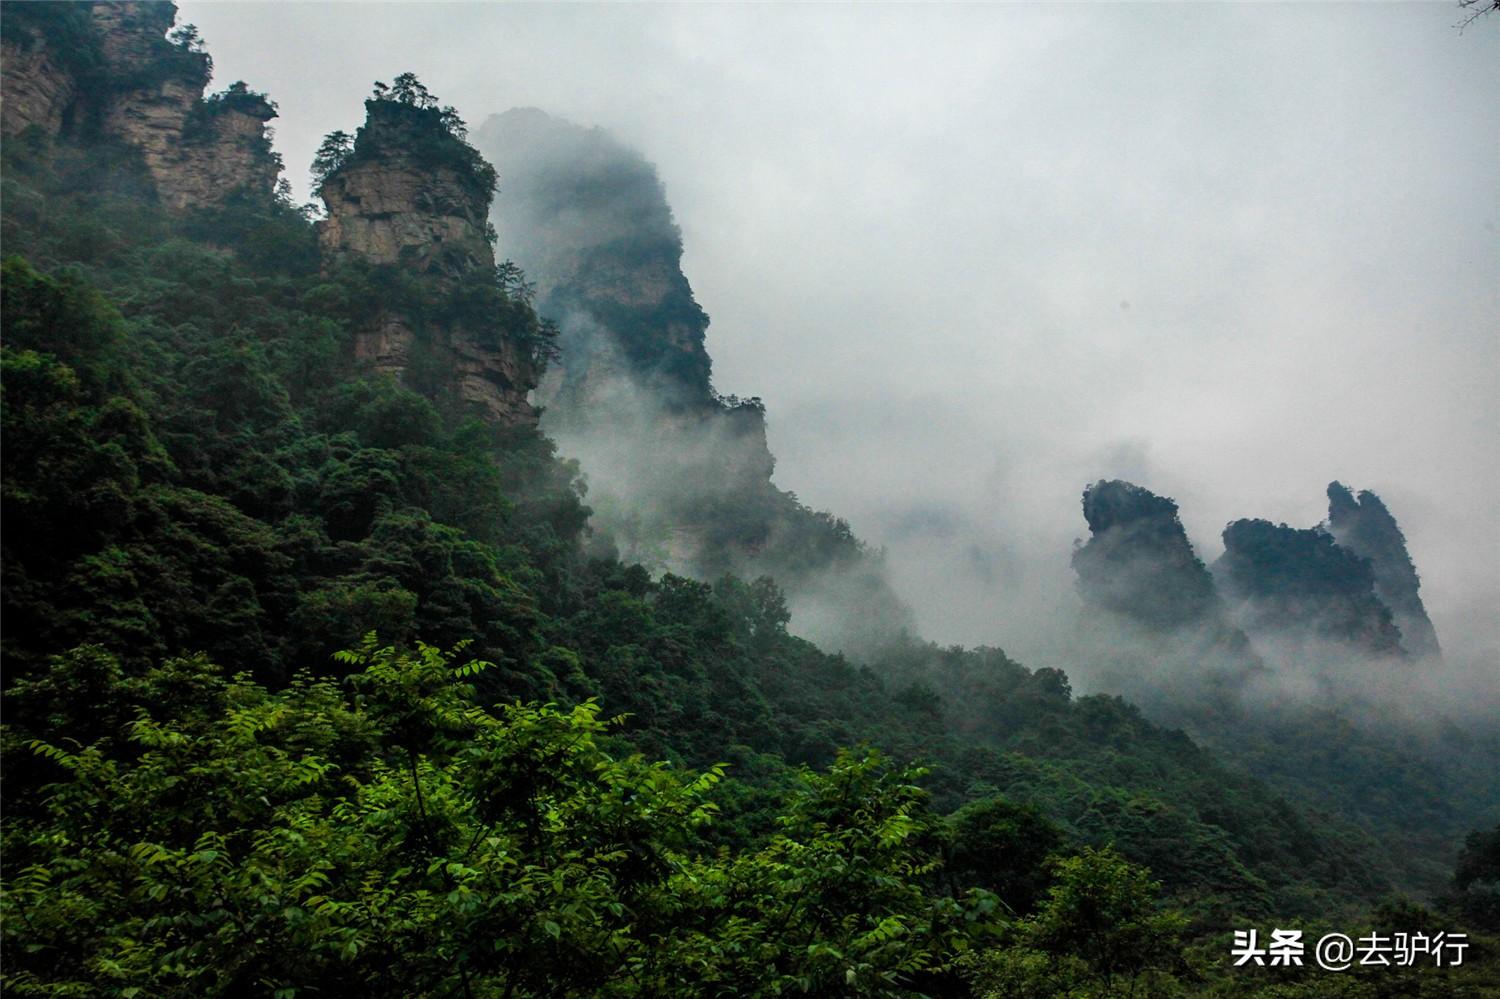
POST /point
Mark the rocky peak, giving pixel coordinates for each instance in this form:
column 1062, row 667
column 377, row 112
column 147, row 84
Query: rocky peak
column 408, row 194
column 109, row 67
column 1139, row 561
column 1365, row 527
column 404, row 193
column 199, row 151
column 1302, row 584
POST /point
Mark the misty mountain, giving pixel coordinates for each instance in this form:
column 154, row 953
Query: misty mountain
column 1317, row 700
column 1138, row 561
column 1365, row 527
column 1151, row 622
column 1283, row 580
column 1338, row 585
column 679, row 476
column 587, row 219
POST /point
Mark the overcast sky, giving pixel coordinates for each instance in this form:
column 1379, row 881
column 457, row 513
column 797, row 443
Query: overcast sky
column 975, row 257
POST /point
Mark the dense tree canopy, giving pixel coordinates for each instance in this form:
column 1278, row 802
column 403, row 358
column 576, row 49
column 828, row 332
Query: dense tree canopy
column 390, row 836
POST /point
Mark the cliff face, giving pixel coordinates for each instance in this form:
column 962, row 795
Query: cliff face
column 393, row 209
column 108, row 67
column 1300, row 583
column 34, row 89
column 197, row 152
column 1365, row 527
column 403, row 202
column 132, row 32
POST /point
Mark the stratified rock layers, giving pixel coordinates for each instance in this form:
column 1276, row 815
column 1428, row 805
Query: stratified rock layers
column 109, row 66
column 34, row 90
column 392, row 207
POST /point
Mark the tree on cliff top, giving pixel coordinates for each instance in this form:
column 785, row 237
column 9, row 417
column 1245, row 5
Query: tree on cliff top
column 408, row 91
column 405, row 117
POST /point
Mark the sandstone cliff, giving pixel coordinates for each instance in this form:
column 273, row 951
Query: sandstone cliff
column 411, row 198
column 107, row 70
column 36, row 88
column 1365, row 527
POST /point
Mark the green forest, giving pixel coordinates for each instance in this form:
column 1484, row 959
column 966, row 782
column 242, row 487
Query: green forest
column 313, row 686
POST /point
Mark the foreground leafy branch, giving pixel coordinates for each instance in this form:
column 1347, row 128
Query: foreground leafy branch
column 390, row 836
